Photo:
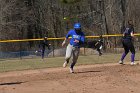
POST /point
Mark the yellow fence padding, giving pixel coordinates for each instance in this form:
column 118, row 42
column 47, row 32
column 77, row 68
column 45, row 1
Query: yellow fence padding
column 61, row 38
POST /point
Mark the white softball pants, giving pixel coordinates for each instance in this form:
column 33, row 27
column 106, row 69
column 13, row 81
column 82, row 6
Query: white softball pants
column 72, row 52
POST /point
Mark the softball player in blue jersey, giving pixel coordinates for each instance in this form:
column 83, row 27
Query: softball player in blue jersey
column 73, row 48
column 127, row 42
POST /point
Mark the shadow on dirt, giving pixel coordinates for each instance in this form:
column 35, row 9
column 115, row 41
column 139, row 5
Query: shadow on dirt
column 11, row 83
column 86, row 72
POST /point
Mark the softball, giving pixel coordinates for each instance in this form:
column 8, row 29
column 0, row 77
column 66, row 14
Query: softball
column 64, row 18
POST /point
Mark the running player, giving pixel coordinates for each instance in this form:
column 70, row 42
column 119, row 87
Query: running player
column 73, row 48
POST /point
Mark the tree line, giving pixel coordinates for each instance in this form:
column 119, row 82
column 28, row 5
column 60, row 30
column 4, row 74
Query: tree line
column 27, row 19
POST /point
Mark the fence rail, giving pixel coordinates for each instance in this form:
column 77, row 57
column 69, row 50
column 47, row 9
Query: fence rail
column 61, row 38
column 112, row 44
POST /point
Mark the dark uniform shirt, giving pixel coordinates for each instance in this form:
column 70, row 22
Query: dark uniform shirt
column 127, row 32
column 43, row 44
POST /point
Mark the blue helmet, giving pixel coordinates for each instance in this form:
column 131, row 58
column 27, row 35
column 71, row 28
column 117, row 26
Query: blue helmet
column 77, row 26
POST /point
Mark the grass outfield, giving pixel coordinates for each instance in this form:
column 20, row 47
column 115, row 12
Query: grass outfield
column 37, row 63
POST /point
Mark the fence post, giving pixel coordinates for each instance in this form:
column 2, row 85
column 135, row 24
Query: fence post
column 20, row 51
column 53, row 48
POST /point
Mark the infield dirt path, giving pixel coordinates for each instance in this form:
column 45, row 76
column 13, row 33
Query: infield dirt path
column 100, row 78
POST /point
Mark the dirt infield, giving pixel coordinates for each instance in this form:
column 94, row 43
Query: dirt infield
column 100, row 78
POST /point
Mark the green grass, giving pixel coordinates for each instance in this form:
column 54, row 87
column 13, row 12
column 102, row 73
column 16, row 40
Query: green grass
column 37, row 63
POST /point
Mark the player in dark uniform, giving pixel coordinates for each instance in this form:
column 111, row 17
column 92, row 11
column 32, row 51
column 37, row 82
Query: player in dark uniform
column 127, row 42
column 42, row 46
column 96, row 44
column 99, row 45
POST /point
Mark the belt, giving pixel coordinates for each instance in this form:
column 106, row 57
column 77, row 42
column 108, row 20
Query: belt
column 75, row 46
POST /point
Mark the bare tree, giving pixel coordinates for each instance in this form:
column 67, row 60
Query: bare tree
column 22, row 19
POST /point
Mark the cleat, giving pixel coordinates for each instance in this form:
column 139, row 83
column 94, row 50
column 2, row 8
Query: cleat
column 132, row 63
column 100, row 54
column 36, row 51
column 65, row 64
column 120, row 62
column 71, row 70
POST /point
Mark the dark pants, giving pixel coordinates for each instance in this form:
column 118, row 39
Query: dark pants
column 99, row 50
column 128, row 46
column 42, row 51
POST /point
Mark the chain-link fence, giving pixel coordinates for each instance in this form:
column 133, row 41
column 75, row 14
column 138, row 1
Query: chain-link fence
column 25, row 57
column 28, row 49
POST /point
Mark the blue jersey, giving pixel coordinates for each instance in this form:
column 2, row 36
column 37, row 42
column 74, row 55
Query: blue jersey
column 76, row 36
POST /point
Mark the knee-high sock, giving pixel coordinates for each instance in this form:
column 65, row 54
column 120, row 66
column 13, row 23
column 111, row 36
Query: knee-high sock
column 132, row 57
column 123, row 56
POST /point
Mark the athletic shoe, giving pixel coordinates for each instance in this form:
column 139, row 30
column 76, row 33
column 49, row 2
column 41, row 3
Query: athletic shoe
column 65, row 64
column 71, row 70
column 133, row 63
column 100, row 54
column 36, row 51
column 120, row 62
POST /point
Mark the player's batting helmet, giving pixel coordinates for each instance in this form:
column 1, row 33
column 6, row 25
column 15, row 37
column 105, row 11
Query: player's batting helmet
column 77, row 25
